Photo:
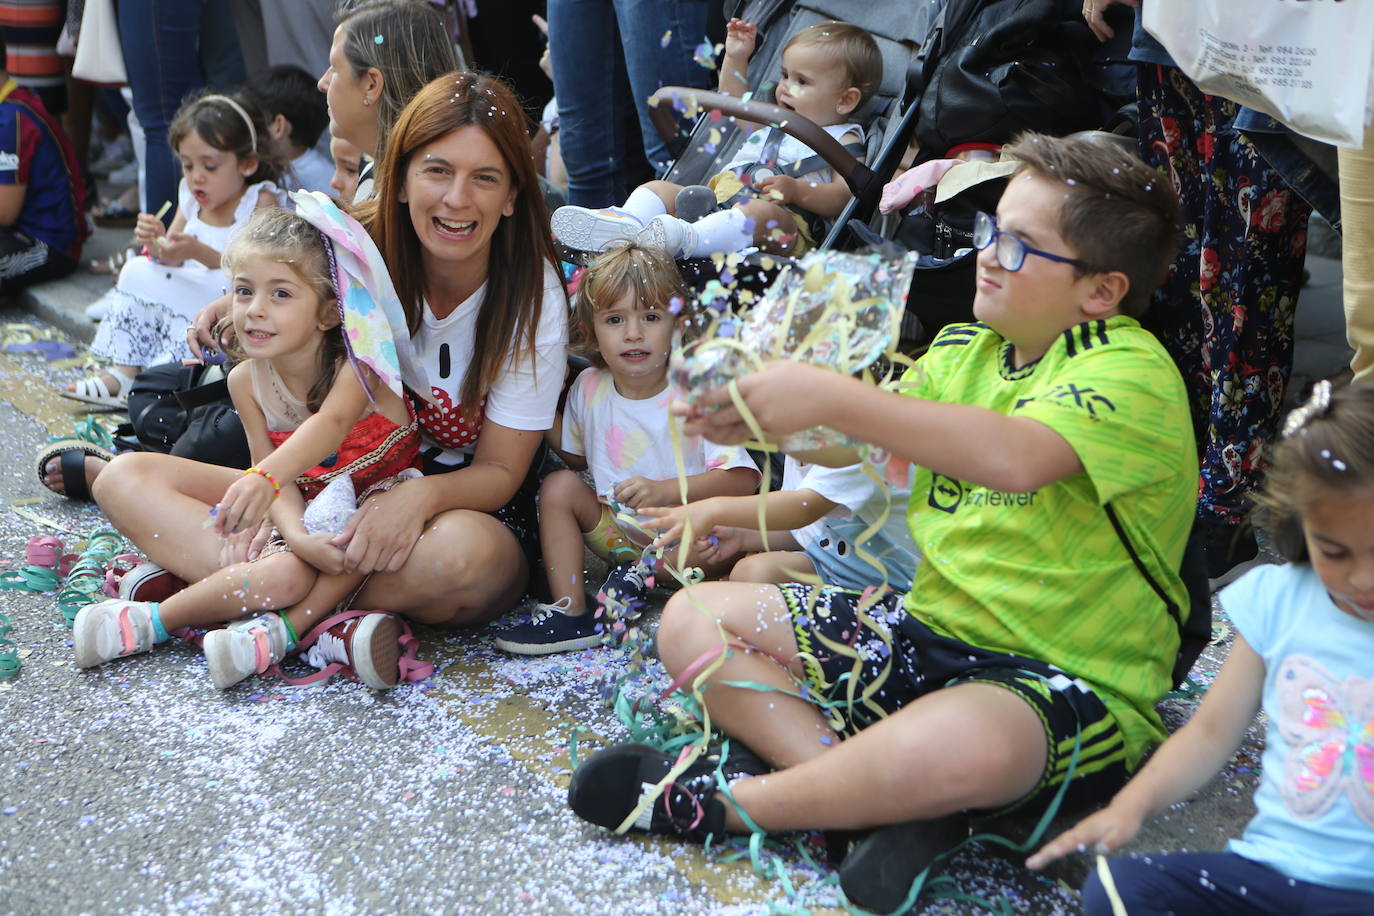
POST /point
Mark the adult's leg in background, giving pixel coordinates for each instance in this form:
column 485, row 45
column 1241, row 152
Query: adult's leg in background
column 161, row 42
column 587, row 67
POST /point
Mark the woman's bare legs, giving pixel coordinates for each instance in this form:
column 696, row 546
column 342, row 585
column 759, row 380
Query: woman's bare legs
column 465, row 570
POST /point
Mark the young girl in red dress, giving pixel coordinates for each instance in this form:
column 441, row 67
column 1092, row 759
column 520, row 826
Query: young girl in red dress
column 326, row 353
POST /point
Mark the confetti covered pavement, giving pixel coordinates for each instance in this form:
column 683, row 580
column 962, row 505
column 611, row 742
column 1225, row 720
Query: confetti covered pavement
column 136, row 787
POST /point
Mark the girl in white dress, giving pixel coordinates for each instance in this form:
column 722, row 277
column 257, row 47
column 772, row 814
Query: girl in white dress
column 228, row 172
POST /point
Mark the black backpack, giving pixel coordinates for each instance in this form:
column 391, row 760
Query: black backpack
column 185, row 410
column 1000, row 67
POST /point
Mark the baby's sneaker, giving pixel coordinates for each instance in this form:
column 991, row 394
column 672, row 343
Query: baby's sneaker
column 552, row 629
column 366, row 645
column 112, row 629
column 246, row 648
column 593, row 230
column 668, row 234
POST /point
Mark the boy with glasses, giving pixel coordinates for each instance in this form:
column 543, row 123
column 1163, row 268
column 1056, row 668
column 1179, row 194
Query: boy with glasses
column 1054, row 494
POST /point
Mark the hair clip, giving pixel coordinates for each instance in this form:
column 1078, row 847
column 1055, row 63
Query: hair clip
column 378, row 39
column 1318, row 403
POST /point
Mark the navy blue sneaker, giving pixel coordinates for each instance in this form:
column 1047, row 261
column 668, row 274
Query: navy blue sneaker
column 552, row 629
column 624, row 587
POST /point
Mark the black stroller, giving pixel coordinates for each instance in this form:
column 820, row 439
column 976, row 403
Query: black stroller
column 953, row 71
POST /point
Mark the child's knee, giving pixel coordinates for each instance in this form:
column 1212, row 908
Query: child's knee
column 284, row 579
column 774, row 227
column 679, row 632
column 560, row 489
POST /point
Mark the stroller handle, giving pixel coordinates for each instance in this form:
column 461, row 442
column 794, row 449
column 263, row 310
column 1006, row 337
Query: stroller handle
column 863, row 181
column 789, row 122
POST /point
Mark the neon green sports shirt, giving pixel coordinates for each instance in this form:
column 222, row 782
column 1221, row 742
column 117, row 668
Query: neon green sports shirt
column 1056, row 574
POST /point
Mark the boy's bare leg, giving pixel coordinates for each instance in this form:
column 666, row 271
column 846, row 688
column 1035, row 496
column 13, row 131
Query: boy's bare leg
column 968, row 746
column 773, row 566
column 568, row 508
column 782, row 729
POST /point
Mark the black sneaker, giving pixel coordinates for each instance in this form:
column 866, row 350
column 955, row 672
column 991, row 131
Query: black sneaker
column 613, row 782
column 1230, row 551
column 878, row 872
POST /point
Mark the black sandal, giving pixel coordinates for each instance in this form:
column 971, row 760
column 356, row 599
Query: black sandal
column 73, row 454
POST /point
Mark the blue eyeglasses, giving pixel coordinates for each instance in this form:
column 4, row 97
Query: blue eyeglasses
column 1011, row 251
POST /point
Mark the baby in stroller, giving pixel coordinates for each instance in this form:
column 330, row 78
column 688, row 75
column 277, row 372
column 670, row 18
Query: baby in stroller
column 775, row 188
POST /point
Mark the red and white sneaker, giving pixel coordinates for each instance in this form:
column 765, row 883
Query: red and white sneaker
column 149, row 582
column 373, row 647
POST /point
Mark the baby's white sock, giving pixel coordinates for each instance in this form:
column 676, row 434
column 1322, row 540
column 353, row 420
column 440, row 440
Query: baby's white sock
column 723, row 231
column 644, row 205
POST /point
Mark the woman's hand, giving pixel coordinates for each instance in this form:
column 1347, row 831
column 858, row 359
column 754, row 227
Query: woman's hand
column 1092, row 13
column 784, row 397
column 1104, row 832
column 319, row 551
column 381, row 534
column 244, row 505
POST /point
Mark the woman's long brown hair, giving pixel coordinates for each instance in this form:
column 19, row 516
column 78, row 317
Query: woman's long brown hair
column 521, row 247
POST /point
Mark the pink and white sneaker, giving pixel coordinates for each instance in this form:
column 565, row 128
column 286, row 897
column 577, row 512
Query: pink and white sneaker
column 245, row 648
column 111, row 629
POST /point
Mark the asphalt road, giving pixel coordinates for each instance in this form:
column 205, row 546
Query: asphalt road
column 136, row 787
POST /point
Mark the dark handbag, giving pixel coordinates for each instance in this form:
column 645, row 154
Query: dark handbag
column 942, row 287
column 1000, row 67
column 185, row 410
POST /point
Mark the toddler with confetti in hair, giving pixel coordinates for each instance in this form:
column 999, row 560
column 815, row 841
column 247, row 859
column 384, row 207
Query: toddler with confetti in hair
column 616, row 425
column 1304, row 641
column 320, row 388
column 773, row 188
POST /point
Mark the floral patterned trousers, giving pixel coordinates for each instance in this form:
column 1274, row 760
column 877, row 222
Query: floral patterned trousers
column 1225, row 313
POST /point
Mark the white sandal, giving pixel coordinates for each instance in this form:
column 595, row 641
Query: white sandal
column 94, row 390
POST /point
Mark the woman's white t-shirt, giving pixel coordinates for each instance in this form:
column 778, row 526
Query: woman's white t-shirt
column 524, row 395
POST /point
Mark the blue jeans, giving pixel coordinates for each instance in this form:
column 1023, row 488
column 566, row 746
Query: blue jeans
column 161, row 42
column 589, row 67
